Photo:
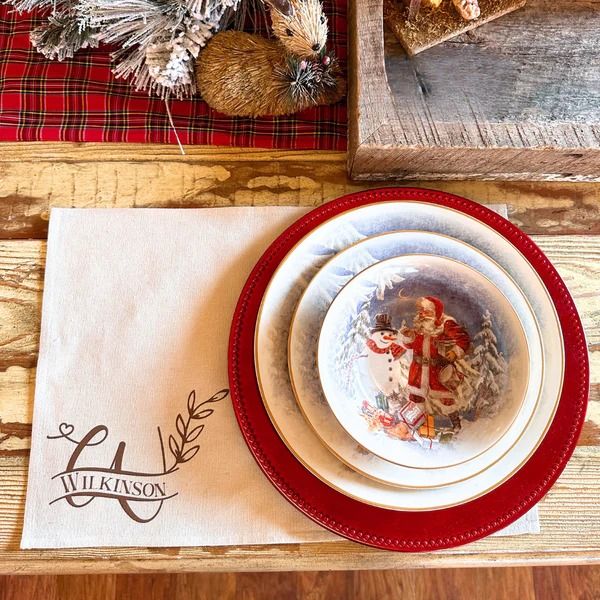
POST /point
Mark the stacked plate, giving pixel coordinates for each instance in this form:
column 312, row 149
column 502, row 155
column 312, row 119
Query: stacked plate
column 399, row 352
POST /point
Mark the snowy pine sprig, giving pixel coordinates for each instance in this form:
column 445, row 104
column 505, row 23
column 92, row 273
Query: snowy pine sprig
column 28, row 5
column 65, row 32
column 63, row 35
column 158, row 40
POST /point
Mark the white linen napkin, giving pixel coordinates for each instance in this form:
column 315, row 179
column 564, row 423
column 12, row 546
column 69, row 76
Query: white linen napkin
column 133, row 357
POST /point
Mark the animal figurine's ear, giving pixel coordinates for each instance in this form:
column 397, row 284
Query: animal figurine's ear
column 283, row 6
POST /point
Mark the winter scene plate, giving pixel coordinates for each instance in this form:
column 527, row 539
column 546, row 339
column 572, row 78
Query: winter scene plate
column 281, row 296
column 444, row 365
column 302, row 354
column 289, row 451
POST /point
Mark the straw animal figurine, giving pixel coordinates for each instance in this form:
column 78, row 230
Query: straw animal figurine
column 242, row 74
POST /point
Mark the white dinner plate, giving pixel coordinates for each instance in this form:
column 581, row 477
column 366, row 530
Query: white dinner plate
column 292, row 277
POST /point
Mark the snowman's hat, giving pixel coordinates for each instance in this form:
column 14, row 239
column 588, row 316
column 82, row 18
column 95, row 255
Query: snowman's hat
column 383, row 323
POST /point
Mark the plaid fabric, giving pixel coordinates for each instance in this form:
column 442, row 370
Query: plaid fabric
column 79, row 100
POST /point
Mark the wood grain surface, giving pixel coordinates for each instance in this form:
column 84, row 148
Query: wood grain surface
column 537, row 583
column 563, row 218
column 34, row 177
column 514, row 99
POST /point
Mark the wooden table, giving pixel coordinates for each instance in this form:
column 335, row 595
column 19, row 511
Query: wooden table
column 563, row 218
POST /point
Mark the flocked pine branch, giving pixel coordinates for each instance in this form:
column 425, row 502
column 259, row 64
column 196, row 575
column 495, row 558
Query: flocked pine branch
column 28, row 5
column 62, row 36
column 158, row 40
column 65, row 30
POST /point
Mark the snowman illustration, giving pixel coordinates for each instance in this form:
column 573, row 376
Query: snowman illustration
column 385, row 370
column 383, row 356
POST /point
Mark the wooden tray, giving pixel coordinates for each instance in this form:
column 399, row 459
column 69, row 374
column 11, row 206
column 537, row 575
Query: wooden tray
column 518, row 98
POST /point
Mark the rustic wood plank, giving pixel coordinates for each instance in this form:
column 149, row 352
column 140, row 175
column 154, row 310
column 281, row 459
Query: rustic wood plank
column 21, row 277
column 571, row 506
column 515, row 99
column 117, row 177
column 17, row 393
column 540, row 207
column 577, row 259
column 370, row 104
column 108, row 152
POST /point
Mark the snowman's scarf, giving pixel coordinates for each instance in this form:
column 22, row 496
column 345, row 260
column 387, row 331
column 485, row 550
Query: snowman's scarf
column 396, row 349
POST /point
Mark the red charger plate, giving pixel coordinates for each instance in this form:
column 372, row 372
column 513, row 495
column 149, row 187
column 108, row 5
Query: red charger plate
column 391, row 529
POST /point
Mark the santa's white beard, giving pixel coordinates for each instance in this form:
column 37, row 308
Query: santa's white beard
column 425, row 325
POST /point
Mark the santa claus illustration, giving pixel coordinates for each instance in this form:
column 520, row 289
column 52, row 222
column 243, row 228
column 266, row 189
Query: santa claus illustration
column 437, row 342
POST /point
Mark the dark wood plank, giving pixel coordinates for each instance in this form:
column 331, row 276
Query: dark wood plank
column 145, row 587
column 320, row 585
column 272, row 586
column 537, row 583
column 29, row 588
column 386, row 585
column 572, row 583
column 491, row 584
column 86, row 587
column 445, row 584
column 195, row 586
column 527, row 583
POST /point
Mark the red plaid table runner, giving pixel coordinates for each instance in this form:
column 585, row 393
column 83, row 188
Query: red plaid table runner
column 79, row 100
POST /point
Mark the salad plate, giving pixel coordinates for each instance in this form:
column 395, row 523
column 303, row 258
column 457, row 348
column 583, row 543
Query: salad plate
column 302, row 355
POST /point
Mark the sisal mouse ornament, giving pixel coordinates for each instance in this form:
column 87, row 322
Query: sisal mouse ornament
column 242, row 74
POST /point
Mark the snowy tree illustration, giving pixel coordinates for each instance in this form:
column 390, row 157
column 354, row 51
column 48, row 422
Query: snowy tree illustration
column 492, row 368
column 351, row 343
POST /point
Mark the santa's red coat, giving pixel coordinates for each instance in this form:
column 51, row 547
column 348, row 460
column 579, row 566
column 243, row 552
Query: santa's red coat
column 429, row 358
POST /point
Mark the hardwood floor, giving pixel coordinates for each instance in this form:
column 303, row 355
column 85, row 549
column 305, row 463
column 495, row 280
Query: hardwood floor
column 531, row 583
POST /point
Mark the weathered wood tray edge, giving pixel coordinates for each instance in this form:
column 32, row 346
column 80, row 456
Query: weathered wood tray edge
column 375, row 150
